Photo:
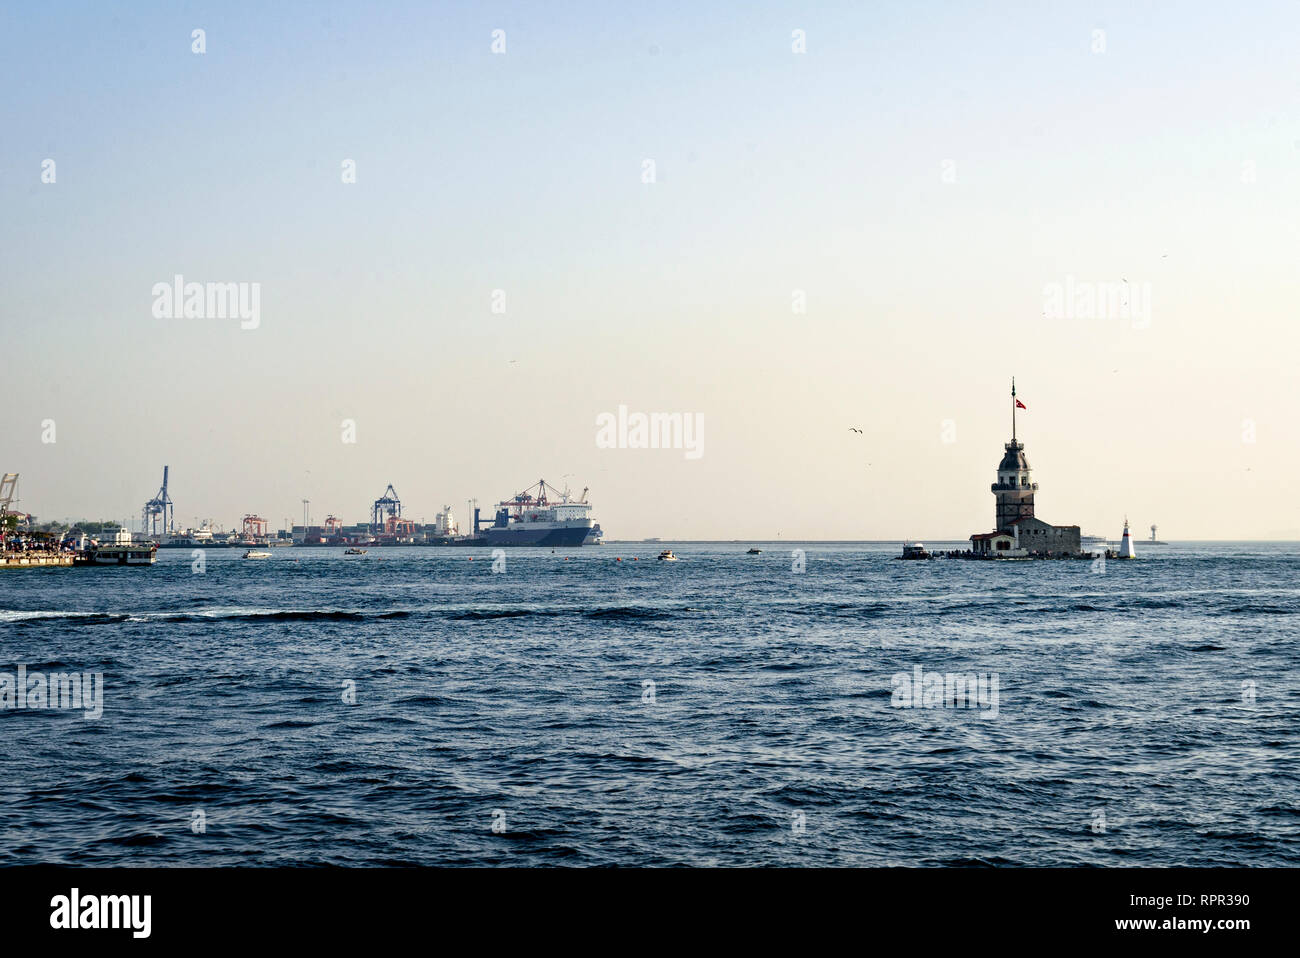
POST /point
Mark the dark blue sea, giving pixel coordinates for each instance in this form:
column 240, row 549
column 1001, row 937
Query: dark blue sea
column 412, row 706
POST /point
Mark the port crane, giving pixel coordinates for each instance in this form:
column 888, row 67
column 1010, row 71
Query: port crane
column 522, row 501
column 399, row 527
column 387, row 506
column 158, row 514
column 8, row 485
column 253, row 527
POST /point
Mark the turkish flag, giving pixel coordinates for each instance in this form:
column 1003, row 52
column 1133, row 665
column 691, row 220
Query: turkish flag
column 1020, row 405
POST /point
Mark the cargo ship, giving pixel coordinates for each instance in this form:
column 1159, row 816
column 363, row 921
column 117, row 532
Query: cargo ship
column 541, row 515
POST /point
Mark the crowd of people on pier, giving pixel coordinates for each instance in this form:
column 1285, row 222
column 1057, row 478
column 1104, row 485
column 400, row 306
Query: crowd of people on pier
column 36, row 542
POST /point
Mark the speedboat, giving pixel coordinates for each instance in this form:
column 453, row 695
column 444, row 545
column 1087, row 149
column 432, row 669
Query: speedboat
column 354, row 552
column 753, row 552
column 256, row 554
column 667, row 556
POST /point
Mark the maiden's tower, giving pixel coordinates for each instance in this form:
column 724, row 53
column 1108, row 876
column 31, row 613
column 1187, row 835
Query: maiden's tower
column 1018, row 533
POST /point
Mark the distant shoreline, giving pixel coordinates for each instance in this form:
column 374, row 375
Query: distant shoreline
column 894, row 542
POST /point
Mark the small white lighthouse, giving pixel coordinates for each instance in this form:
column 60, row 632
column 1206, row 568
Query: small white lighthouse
column 1126, row 544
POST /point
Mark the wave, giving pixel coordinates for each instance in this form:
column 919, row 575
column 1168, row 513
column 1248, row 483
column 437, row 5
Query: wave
column 868, row 610
column 206, row 615
column 137, row 840
column 75, row 618
column 288, row 615
column 615, row 613
column 626, row 612
column 474, row 615
column 1152, row 603
column 326, row 615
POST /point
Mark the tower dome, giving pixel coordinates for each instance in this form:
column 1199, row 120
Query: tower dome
column 1014, row 460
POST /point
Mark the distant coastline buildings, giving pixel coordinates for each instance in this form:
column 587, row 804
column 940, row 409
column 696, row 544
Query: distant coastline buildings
column 1017, row 531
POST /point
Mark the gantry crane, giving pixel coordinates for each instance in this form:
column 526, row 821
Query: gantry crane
column 157, row 516
column 8, row 485
column 386, row 507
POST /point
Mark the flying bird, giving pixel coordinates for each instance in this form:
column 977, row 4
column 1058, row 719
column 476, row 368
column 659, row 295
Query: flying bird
column 851, row 429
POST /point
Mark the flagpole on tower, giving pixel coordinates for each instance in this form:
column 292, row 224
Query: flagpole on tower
column 1013, row 408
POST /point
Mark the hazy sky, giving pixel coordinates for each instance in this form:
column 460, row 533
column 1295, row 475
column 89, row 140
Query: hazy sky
column 926, row 174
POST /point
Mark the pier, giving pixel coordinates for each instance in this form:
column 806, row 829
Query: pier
column 28, row 560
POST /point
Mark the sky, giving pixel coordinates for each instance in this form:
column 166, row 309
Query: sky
column 782, row 220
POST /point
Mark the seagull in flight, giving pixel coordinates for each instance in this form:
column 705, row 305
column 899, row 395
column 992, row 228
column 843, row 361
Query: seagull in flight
column 858, row 431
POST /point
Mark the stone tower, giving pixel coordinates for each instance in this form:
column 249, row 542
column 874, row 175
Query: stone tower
column 1015, row 488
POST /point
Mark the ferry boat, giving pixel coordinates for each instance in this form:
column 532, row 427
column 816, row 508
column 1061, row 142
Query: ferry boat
column 124, row 551
column 200, row 538
column 667, row 556
column 541, row 515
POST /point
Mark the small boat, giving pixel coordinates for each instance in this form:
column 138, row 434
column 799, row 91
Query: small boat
column 256, row 554
column 915, row 550
column 354, row 552
column 667, row 556
column 753, row 552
